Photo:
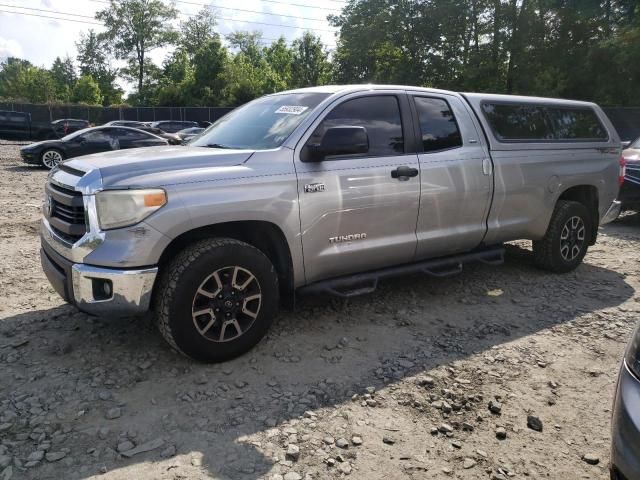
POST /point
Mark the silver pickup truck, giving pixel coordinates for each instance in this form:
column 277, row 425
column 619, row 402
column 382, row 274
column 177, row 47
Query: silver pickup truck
column 325, row 189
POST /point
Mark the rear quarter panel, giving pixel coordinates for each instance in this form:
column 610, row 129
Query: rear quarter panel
column 530, row 177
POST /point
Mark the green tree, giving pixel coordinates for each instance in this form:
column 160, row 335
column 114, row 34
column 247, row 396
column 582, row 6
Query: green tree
column 310, row 63
column 136, row 27
column 94, row 60
column 86, row 90
column 209, row 64
column 13, row 78
column 248, row 43
column 280, row 58
column 64, row 75
column 198, row 30
column 176, row 81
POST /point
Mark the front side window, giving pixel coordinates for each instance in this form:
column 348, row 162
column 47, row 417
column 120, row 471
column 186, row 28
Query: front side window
column 438, row 126
column 379, row 115
column 262, row 124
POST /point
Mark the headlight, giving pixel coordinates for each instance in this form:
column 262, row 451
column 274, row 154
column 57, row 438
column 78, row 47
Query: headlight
column 632, row 356
column 123, row 208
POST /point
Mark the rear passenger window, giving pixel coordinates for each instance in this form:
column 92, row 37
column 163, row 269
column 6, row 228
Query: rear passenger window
column 380, row 115
column 518, row 122
column 511, row 122
column 438, row 126
column 576, row 124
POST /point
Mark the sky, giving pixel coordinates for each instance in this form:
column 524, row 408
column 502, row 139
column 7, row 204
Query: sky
column 26, row 33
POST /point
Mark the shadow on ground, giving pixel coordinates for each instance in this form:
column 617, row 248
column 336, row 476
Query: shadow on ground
column 315, row 357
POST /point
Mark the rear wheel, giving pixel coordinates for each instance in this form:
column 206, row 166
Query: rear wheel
column 567, row 239
column 217, row 299
column 51, row 157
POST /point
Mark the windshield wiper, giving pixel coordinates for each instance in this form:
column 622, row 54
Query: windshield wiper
column 218, row 145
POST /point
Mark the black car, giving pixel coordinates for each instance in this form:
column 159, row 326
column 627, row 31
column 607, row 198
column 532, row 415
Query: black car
column 15, row 125
column 65, row 126
column 629, row 194
column 83, row 142
column 173, row 126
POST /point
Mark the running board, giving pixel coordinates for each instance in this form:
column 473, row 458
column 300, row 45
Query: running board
column 362, row 283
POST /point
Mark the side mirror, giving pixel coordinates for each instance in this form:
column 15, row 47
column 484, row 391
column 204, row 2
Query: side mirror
column 626, row 144
column 347, row 140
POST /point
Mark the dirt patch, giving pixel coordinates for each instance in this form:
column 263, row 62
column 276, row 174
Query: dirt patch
column 499, row 372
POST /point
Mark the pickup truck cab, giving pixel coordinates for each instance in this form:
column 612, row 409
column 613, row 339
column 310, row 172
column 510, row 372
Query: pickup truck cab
column 324, row 189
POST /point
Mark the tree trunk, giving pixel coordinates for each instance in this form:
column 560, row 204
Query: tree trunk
column 140, row 72
column 515, row 42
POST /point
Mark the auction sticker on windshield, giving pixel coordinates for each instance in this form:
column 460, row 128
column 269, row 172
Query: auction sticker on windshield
column 292, row 109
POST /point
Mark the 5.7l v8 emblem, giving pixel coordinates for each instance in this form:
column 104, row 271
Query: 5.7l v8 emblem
column 314, row 187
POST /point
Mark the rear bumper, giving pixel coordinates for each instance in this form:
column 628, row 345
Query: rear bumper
column 625, row 427
column 97, row 290
column 612, row 213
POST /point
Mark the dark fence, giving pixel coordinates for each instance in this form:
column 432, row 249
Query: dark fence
column 44, row 114
column 625, row 119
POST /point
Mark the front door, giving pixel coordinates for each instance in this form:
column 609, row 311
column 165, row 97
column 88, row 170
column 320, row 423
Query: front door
column 356, row 214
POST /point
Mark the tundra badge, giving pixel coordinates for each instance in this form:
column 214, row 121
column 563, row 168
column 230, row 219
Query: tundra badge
column 314, row 187
column 347, row 238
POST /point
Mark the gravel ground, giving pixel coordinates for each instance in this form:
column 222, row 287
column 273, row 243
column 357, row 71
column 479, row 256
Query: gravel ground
column 426, row 378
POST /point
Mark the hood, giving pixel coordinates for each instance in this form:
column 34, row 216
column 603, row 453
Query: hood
column 42, row 144
column 158, row 166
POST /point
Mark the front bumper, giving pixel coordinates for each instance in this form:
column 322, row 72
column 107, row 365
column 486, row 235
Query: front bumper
column 625, row 427
column 30, row 158
column 97, row 290
column 612, row 213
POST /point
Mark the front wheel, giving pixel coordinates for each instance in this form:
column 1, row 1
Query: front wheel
column 51, row 157
column 567, row 239
column 217, row 299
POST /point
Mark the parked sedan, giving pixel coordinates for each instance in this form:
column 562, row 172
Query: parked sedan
column 173, row 126
column 91, row 140
column 625, row 421
column 189, row 133
column 630, row 190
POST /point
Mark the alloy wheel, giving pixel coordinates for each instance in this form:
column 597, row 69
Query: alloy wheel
column 226, row 304
column 572, row 238
column 51, row 158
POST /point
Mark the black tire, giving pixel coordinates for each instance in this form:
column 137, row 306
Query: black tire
column 178, row 297
column 550, row 253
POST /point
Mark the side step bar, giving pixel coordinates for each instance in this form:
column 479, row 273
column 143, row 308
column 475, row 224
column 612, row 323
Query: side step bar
column 362, row 283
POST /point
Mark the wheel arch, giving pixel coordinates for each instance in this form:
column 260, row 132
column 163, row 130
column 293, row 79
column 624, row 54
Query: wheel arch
column 588, row 196
column 263, row 235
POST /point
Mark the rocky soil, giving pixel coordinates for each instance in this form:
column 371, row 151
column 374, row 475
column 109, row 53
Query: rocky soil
column 500, row 372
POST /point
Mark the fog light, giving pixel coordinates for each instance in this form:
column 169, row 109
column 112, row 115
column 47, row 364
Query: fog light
column 102, row 288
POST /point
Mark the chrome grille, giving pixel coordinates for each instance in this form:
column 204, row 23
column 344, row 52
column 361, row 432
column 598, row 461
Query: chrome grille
column 65, row 212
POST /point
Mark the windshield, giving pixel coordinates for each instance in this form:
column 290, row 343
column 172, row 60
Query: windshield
column 636, row 144
column 73, row 135
column 262, row 124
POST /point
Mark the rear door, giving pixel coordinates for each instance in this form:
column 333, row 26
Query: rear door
column 456, row 176
column 354, row 214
